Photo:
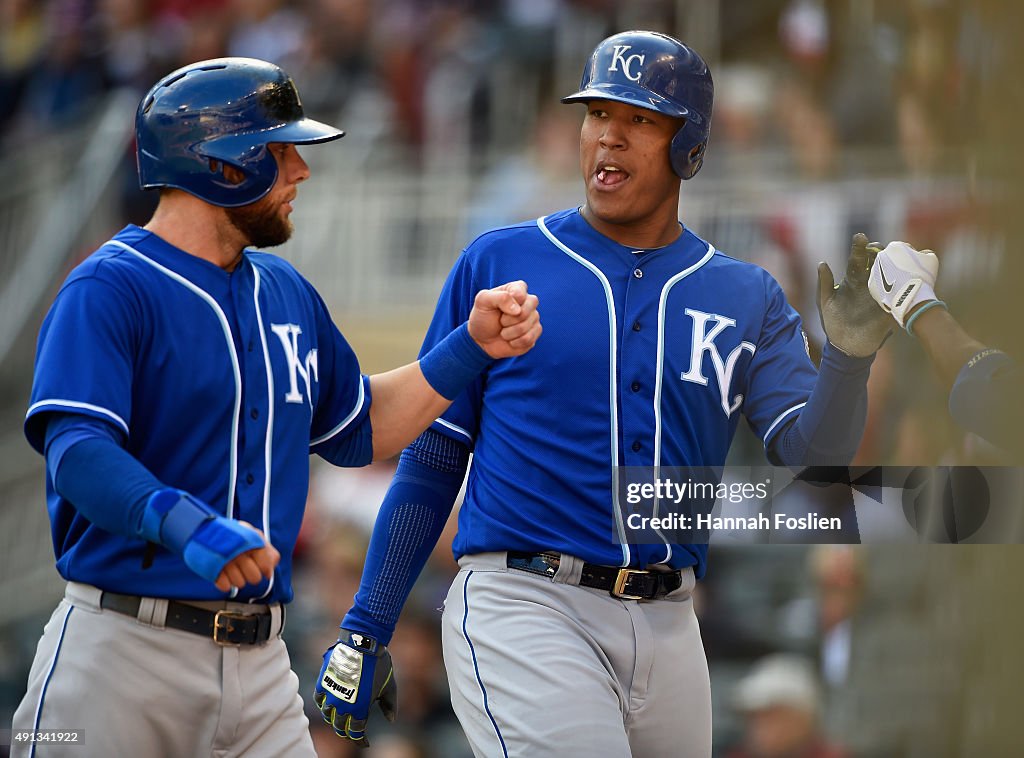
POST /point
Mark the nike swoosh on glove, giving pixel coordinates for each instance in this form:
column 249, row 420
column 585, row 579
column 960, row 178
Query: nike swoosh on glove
column 903, row 278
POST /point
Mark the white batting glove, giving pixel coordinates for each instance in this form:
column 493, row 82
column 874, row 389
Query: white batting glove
column 902, row 278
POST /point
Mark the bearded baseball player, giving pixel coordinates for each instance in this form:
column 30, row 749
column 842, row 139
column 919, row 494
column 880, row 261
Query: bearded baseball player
column 182, row 380
column 562, row 637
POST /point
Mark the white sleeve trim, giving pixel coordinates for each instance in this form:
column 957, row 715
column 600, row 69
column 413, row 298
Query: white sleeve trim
column 779, row 419
column 360, row 401
column 455, row 428
column 57, row 404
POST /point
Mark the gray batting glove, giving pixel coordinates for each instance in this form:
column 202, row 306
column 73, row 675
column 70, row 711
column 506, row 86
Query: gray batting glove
column 853, row 321
column 903, row 278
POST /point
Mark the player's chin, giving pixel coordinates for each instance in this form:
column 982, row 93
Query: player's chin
column 610, row 210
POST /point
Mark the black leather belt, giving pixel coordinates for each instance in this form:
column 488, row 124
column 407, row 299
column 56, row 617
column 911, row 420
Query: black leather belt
column 626, row 583
column 223, row 627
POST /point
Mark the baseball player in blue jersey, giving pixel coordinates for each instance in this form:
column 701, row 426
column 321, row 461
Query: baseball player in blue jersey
column 563, row 637
column 182, row 381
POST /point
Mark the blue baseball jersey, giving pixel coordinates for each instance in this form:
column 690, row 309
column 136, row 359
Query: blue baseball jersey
column 648, row 358
column 220, row 383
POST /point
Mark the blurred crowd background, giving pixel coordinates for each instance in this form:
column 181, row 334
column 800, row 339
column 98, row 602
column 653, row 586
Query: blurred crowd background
column 831, row 117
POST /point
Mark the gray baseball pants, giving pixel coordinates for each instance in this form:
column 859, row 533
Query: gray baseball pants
column 543, row 667
column 136, row 688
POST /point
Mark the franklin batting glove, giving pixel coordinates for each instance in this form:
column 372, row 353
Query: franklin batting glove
column 357, row 671
column 902, row 278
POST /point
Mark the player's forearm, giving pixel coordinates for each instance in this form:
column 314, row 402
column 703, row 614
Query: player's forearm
column 404, row 404
column 829, row 428
column 985, row 400
column 409, row 523
column 948, row 346
column 408, row 399
column 105, row 483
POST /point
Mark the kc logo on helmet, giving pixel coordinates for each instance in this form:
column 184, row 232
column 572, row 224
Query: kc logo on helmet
column 619, row 56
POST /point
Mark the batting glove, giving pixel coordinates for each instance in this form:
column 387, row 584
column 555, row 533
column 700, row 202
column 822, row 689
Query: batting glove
column 852, row 320
column 357, row 671
column 903, row 278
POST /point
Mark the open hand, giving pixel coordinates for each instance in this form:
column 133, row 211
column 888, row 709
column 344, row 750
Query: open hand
column 852, row 320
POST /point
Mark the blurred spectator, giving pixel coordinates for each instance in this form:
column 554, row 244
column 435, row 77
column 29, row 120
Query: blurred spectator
column 920, row 143
column 808, row 129
column 520, row 188
column 839, row 579
column 22, row 40
column 334, row 58
column 68, row 79
column 780, row 702
column 743, row 108
column 804, row 33
column 132, row 56
column 266, row 29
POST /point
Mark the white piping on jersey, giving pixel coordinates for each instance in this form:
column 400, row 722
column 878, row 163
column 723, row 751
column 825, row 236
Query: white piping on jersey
column 268, row 440
column 454, row 428
column 345, row 421
column 778, row 419
column 660, row 363
column 75, row 404
column 613, row 401
column 233, row 457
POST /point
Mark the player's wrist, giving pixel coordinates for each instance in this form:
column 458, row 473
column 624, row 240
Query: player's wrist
column 836, row 358
column 364, row 643
column 920, row 309
column 361, row 621
column 454, row 362
column 191, row 529
column 172, row 516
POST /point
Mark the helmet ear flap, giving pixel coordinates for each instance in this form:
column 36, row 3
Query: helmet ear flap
column 686, row 156
column 256, row 164
column 258, row 174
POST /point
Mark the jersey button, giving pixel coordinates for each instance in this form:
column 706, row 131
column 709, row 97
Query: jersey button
column 636, row 326
column 636, row 447
column 638, row 273
column 635, row 386
column 254, row 414
column 249, row 478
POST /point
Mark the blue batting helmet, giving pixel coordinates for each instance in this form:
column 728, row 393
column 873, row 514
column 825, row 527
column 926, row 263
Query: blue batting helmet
column 658, row 72
column 227, row 110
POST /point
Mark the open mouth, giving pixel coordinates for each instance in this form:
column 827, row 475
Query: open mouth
column 609, row 175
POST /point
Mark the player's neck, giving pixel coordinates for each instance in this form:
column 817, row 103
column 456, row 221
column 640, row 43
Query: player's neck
column 198, row 228
column 647, row 233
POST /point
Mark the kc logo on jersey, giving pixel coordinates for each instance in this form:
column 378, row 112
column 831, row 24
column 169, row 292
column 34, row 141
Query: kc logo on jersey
column 619, row 56
column 305, row 369
column 706, row 327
